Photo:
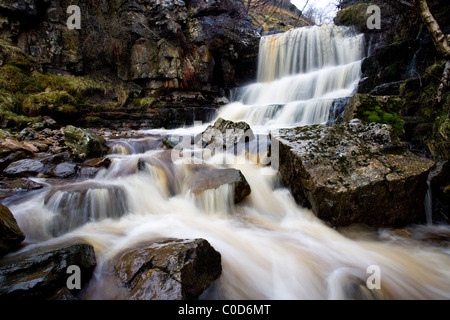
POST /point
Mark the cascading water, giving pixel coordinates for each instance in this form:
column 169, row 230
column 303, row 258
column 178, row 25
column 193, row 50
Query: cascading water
column 300, row 73
column 271, row 248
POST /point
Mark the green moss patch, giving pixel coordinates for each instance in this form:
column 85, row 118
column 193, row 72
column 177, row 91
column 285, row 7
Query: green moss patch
column 382, row 110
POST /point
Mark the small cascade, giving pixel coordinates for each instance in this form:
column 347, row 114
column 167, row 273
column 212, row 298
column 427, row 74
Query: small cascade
column 76, row 205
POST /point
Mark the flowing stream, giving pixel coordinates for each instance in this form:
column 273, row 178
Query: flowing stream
column 271, row 248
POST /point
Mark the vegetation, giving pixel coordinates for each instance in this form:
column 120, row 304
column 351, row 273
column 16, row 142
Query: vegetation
column 26, row 94
column 382, row 110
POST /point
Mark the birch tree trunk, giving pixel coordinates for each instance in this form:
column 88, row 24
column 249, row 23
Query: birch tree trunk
column 440, row 40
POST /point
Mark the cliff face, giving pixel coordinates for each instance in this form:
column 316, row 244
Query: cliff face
column 193, row 44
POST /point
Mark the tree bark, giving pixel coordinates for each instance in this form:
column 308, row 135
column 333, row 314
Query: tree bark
column 440, row 40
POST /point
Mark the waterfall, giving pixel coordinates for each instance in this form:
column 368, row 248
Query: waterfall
column 271, row 248
column 300, row 74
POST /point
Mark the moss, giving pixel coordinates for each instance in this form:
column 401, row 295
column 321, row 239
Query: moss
column 53, row 103
column 382, row 110
column 14, row 79
column 15, row 121
column 145, row 102
column 353, row 16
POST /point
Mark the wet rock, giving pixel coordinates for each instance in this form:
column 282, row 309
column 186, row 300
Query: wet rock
column 64, row 170
column 21, row 184
column 170, row 142
column 92, row 167
column 11, row 235
column 85, row 144
column 341, row 171
column 169, row 269
column 40, row 273
column 24, row 168
column 11, row 157
column 226, row 133
column 206, row 179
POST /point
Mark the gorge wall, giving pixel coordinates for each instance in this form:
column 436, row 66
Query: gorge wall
column 171, row 50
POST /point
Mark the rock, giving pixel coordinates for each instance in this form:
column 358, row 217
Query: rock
column 387, row 89
column 12, row 157
column 169, row 269
column 16, row 145
column 11, row 236
column 341, row 171
column 85, row 144
column 40, row 273
column 207, row 178
column 24, row 168
column 92, row 167
column 24, row 6
column 226, row 133
column 440, row 192
column 28, row 134
column 170, row 142
column 21, row 184
column 64, row 170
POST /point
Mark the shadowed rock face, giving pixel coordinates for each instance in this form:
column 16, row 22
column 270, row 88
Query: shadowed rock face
column 10, row 234
column 354, row 173
column 168, row 269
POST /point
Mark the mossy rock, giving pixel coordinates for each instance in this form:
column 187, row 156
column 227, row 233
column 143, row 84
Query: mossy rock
column 84, row 143
column 56, row 104
column 353, row 16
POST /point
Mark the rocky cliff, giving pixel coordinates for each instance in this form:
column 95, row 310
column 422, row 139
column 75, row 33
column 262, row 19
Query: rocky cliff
column 173, row 54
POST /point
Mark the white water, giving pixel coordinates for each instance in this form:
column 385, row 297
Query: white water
column 300, row 73
column 271, row 248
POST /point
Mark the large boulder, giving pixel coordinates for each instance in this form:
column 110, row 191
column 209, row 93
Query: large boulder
column 42, row 272
column 169, row 269
column 354, row 173
column 11, row 235
column 84, row 143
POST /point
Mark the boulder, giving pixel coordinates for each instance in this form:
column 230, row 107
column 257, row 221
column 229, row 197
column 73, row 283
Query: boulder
column 64, row 170
column 10, row 234
column 21, row 184
column 226, row 133
column 42, row 272
column 169, row 269
column 205, row 178
column 84, row 143
column 354, row 173
column 24, row 168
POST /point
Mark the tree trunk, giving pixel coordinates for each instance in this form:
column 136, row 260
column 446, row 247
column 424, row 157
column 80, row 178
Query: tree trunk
column 440, row 40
